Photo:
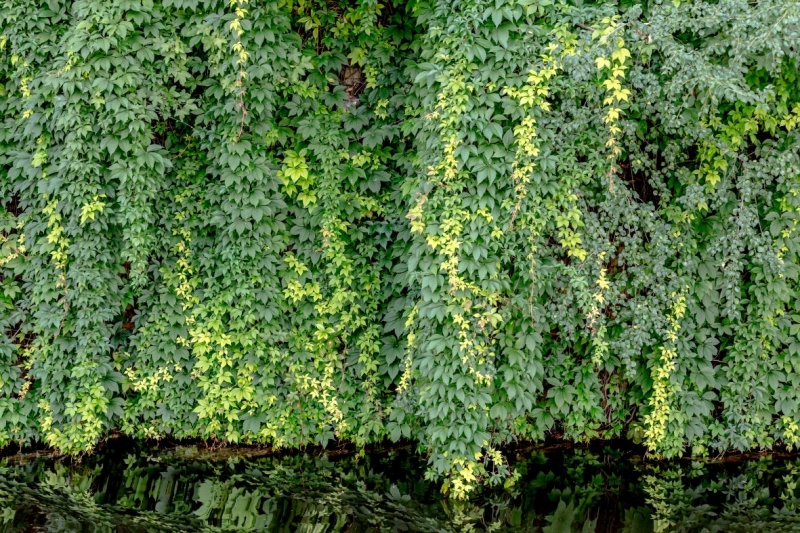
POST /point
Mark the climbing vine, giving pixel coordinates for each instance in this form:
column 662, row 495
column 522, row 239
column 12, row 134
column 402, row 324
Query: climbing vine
column 463, row 224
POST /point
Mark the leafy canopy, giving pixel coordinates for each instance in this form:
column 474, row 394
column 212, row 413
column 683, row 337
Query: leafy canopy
column 458, row 222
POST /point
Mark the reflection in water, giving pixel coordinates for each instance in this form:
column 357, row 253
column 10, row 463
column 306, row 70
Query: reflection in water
column 576, row 491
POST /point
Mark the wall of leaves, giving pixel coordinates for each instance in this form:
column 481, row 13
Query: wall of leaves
column 462, row 222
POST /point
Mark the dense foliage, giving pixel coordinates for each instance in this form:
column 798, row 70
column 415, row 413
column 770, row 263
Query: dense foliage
column 458, row 222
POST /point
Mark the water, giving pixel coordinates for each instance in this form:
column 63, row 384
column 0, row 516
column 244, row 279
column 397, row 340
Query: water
column 185, row 489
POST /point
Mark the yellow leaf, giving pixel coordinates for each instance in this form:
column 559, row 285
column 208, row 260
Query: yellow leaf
column 602, row 62
column 620, row 54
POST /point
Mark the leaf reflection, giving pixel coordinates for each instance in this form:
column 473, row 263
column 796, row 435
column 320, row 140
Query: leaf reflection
column 570, row 492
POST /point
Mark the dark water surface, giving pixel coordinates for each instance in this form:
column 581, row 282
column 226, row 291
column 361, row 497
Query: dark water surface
column 183, row 489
